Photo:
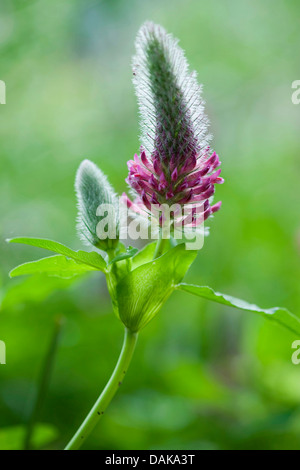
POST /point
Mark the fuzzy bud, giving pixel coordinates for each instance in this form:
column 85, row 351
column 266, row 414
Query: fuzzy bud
column 97, row 221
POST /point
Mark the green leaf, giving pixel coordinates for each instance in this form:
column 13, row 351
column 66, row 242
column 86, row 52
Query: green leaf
column 141, row 294
column 277, row 314
column 90, row 258
column 129, row 253
column 57, row 265
column 144, row 256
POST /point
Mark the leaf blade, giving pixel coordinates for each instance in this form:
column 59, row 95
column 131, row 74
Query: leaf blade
column 278, row 314
column 89, row 258
column 57, row 265
column 145, row 255
column 129, row 253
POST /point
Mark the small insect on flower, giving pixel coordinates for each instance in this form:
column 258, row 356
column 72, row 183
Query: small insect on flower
column 175, row 165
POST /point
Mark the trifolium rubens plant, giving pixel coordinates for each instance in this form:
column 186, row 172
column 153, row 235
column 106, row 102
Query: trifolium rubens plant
column 172, row 182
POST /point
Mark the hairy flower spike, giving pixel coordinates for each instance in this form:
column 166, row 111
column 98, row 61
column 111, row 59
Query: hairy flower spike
column 173, row 122
column 93, row 189
column 175, row 165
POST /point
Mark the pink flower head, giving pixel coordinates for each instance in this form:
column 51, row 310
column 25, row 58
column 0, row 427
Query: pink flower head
column 191, row 183
column 175, row 165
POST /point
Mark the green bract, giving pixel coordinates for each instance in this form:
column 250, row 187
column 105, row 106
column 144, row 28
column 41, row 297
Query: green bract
column 142, row 293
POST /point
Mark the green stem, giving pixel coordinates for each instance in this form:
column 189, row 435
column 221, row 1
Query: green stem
column 111, row 254
column 108, row 393
column 160, row 245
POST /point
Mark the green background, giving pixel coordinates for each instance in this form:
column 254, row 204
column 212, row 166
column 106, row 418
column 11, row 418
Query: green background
column 204, row 376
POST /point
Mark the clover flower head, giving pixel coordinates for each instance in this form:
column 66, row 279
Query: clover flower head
column 175, row 164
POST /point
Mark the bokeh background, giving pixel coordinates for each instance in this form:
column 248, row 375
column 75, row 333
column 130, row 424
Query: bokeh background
column 204, row 376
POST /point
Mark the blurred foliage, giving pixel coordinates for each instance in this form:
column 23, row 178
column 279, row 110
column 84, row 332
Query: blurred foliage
column 204, row 376
column 11, row 438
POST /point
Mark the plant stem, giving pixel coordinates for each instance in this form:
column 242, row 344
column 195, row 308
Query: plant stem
column 160, row 245
column 108, row 393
